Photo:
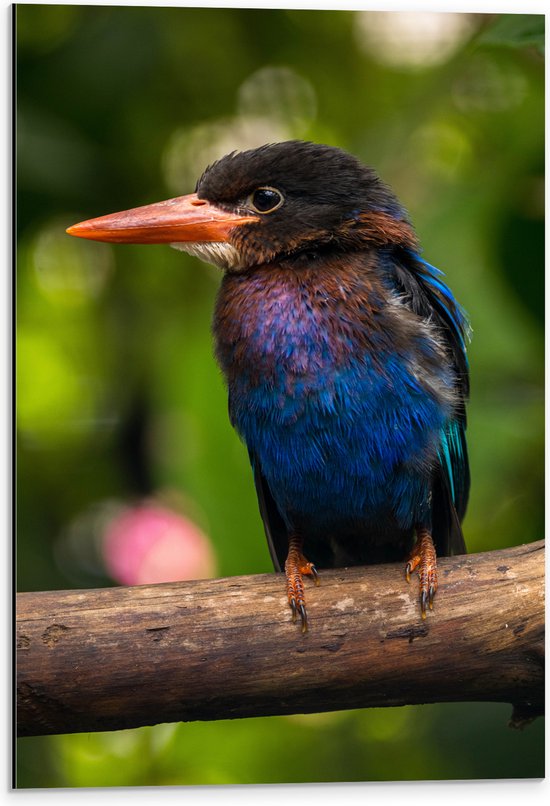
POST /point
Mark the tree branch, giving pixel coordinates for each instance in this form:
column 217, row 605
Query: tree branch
column 115, row 658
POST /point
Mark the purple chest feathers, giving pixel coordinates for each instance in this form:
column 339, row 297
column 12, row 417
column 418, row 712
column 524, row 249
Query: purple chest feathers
column 284, row 327
column 287, row 335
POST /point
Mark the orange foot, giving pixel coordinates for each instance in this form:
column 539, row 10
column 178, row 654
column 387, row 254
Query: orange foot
column 296, row 565
column 423, row 557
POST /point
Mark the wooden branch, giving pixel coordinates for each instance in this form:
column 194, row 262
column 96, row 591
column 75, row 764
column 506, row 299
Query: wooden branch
column 114, row 658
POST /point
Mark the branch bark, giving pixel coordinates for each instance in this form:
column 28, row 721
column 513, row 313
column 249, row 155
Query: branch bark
column 115, row 658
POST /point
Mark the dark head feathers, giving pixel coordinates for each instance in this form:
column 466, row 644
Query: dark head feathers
column 320, row 174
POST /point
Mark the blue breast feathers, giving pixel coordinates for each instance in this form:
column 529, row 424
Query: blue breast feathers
column 350, row 448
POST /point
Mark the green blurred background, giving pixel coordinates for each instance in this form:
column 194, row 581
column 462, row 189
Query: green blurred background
column 119, row 397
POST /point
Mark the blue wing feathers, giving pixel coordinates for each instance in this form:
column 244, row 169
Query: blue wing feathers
column 431, row 298
column 454, row 461
column 448, row 306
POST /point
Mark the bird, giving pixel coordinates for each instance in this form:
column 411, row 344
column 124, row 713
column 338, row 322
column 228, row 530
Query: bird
column 344, row 355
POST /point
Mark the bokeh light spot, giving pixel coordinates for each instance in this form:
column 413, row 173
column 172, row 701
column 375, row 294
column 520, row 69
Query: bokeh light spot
column 411, row 39
column 487, row 85
column 279, row 93
column 442, row 148
column 69, row 272
column 150, row 543
column 189, row 151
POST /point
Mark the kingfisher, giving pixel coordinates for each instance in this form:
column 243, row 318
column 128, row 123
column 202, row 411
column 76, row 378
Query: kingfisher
column 344, row 354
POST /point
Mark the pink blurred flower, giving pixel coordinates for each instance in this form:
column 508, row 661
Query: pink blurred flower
column 150, row 543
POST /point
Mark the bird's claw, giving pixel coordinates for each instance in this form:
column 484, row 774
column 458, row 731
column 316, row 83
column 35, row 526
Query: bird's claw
column 423, row 557
column 303, row 616
column 314, row 574
column 292, row 603
column 423, row 600
column 297, row 566
column 296, row 600
column 299, row 609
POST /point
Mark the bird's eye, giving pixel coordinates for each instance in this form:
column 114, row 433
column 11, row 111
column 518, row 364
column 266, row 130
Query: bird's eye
column 266, row 200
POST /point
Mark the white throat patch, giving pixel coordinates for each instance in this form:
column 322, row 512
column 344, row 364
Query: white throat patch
column 219, row 253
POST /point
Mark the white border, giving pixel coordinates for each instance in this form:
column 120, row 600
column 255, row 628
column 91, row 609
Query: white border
column 448, row 793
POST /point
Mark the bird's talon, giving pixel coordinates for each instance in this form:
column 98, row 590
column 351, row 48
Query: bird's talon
column 292, row 603
column 303, row 616
column 315, row 576
column 423, row 602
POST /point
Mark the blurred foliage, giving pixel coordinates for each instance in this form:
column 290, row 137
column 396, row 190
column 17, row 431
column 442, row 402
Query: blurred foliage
column 118, row 393
column 516, row 31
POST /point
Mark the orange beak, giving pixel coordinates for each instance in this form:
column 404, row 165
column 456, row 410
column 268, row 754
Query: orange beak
column 179, row 220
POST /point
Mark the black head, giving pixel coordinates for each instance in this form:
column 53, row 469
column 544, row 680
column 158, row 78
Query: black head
column 307, row 196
